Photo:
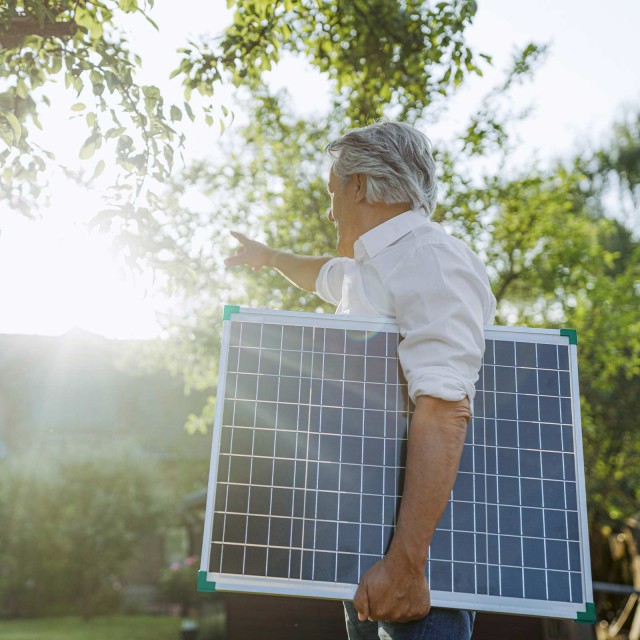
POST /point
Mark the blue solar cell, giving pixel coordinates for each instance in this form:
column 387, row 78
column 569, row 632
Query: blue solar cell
column 347, row 568
column 250, row 334
column 464, row 577
column 504, row 353
column 492, row 518
column 291, row 338
column 494, row 580
column 350, row 477
column 510, row 550
column 356, row 342
column 535, row 585
column 566, row 410
column 509, row 518
column 463, row 487
column 555, row 524
column 525, row 354
column 488, row 352
column 532, row 522
column 509, row 490
column 440, row 574
column 255, row 561
column 507, row 462
column 551, row 437
column 530, row 464
column 528, row 408
column 526, row 381
column 549, row 409
column 373, row 479
column 374, row 424
column 558, row 585
column 507, row 433
column 492, row 489
column 371, row 537
column 548, row 383
column 349, row 507
column 482, row 584
column 463, row 516
column 567, row 438
column 547, row 356
column 372, row 509
column 557, row 555
column 481, row 548
column 533, row 552
column 324, row 569
column 490, row 432
column 480, row 517
column 506, row 379
column 553, row 494
column 573, row 531
column 493, row 549
column 506, row 406
column 529, row 435
column 479, row 459
column 576, row 587
column 232, row 558
column 563, row 357
column 440, row 548
column 531, row 492
column 552, row 466
column 511, row 582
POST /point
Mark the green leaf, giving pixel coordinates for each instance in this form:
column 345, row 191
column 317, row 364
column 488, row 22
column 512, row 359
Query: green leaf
column 129, row 6
column 79, row 106
column 14, row 125
column 98, row 170
column 175, row 113
column 189, row 111
column 89, row 147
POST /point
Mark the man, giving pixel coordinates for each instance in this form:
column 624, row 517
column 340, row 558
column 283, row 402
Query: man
column 395, row 262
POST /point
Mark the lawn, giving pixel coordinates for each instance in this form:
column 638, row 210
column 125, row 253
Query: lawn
column 102, row 628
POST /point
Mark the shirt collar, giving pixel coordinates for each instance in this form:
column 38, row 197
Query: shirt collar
column 375, row 240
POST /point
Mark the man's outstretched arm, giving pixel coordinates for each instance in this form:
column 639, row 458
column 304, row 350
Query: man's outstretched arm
column 395, row 588
column 300, row 270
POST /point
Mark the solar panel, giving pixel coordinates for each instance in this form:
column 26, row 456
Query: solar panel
column 308, row 455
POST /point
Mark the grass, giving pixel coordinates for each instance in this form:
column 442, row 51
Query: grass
column 101, row 628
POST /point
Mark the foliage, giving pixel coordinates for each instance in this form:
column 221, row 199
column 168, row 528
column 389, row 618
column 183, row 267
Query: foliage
column 379, row 54
column 82, row 44
column 99, row 628
column 178, row 583
column 69, row 524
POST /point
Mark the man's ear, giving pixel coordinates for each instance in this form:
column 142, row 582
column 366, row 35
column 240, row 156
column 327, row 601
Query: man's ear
column 360, row 184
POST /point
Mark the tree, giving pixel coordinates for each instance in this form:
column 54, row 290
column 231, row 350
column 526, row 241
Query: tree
column 70, row 523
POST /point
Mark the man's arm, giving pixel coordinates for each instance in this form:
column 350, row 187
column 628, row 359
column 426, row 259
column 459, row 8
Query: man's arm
column 300, row 270
column 395, row 588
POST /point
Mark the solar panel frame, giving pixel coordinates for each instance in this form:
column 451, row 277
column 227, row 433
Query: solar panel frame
column 334, row 590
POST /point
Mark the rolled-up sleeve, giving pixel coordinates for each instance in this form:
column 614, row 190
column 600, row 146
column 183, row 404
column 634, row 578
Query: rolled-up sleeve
column 440, row 306
column 330, row 278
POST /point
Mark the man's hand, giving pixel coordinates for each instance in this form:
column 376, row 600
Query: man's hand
column 393, row 590
column 252, row 253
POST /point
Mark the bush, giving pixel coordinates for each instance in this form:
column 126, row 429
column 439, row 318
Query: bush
column 69, row 524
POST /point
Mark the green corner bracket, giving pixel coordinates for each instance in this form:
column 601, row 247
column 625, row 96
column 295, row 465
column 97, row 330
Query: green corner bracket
column 572, row 334
column 588, row 616
column 208, row 587
column 228, row 310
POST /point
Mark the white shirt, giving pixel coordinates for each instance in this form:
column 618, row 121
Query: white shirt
column 435, row 287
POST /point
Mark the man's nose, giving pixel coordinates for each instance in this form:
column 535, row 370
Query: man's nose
column 330, row 215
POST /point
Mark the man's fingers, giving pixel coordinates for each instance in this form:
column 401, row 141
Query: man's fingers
column 232, row 261
column 240, row 237
column 361, row 602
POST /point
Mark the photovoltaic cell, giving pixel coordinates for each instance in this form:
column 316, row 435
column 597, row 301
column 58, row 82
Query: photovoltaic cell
column 308, row 467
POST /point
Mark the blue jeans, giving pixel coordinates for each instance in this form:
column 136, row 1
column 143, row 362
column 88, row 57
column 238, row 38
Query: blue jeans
column 439, row 624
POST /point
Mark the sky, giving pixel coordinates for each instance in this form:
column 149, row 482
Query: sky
column 55, row 274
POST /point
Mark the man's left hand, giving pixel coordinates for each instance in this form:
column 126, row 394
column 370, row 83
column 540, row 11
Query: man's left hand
column 393, row 590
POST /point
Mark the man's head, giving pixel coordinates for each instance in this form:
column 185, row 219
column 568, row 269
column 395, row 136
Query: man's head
column 378, row 171
column 396, row 160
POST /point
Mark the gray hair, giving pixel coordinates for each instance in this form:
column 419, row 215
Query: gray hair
column 396, row 159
